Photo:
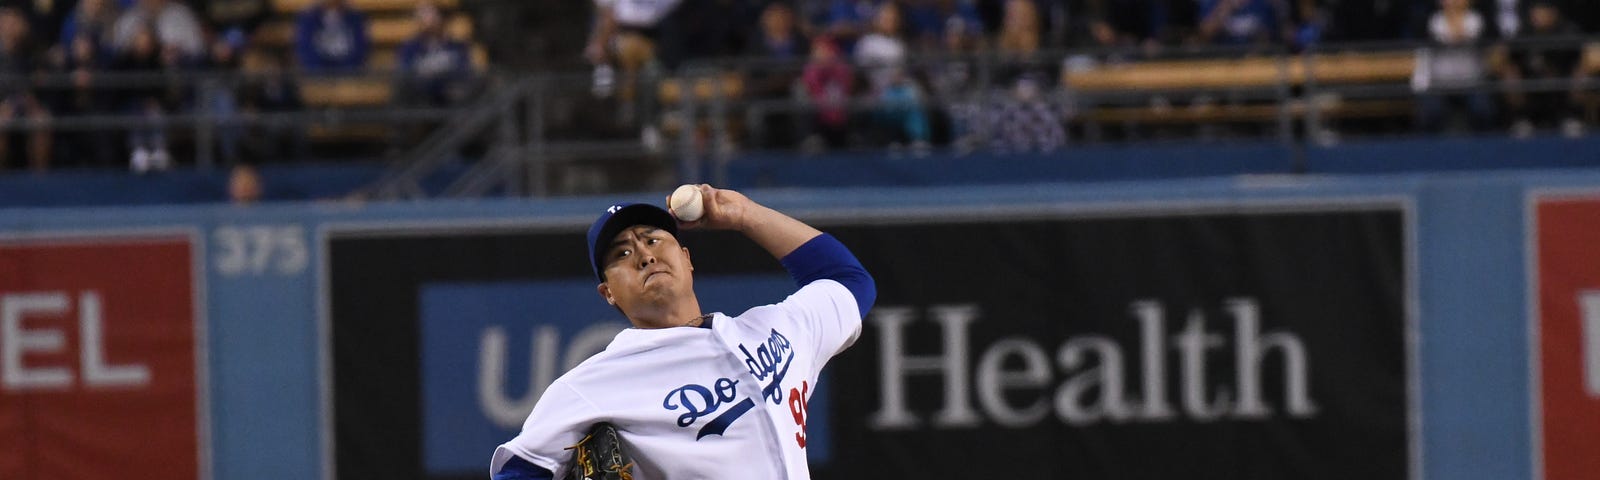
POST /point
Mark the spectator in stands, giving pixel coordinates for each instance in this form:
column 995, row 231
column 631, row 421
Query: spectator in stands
column 930, row 20
column 1019, row 40
column 1311, row 25
column 272, row 89
column 244, row 185
column 44, row 18
column 828, row 80
column 1452, row 69
column 1243, row 22
column 20, row 60
column 811, row 15
column 1019, row 30
column 147, row 145
column 953, row 79
column 848, row 20
column 96, row 18
column 1506, row 16
column 955, row 74
column 1549, row 49
column 777, row 38
column 1025, row 122
column 221, row 98
column 625, row 40
column 176, row 26
column 330, row 36
column 882, row 53
column 82, row 61
column 626, row 34
column 435, row 69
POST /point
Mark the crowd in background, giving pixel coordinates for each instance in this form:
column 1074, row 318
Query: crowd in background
column 869, row 73
column 55, row 53
column 681, row 30
column 905, row 57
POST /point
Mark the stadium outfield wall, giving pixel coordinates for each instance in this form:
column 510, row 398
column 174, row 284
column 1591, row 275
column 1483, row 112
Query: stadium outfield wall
column 1438, row 326
column 1146, row 161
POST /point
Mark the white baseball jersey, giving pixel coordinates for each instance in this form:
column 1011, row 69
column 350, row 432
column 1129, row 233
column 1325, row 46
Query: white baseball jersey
column 639, row 13
column 722, row 402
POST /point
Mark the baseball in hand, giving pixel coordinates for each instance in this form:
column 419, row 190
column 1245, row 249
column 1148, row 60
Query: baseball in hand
column 686, row 203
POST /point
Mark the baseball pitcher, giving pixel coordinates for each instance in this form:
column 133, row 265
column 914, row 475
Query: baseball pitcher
column 694, row 394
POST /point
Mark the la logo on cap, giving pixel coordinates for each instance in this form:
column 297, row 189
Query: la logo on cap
column 614, row 209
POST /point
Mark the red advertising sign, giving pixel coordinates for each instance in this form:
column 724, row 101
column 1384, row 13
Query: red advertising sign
column 1568, row 349
column 97, row 359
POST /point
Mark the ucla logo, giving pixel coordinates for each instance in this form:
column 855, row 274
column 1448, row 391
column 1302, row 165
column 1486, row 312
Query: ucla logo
column 770, row 359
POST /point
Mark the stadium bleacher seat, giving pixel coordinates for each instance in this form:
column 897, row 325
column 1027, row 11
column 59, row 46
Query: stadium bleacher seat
column 1245, row 73
column 346, row 92
column 702, row 90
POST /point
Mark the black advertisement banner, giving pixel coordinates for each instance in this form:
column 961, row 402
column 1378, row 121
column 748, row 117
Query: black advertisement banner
column 1238, row 345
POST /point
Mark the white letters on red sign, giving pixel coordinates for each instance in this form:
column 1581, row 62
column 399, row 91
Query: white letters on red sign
column 16, row 340
column 1589, row 303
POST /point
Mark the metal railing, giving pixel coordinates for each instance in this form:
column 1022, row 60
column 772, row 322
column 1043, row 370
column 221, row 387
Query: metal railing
column 528, row 133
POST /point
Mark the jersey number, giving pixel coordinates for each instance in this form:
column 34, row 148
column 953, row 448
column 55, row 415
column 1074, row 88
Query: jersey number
column 798, row 404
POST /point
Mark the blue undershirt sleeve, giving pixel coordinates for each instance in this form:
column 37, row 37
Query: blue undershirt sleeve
column 518, row 469
column 824, row 257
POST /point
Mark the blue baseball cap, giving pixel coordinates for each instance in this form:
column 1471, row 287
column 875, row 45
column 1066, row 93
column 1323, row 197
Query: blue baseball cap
column 618, row 218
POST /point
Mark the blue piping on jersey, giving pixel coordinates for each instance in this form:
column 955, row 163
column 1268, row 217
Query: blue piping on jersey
column 824, row 257
column 518, row 469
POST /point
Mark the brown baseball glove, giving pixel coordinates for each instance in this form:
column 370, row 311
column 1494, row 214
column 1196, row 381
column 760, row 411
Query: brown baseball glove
column 599, row 456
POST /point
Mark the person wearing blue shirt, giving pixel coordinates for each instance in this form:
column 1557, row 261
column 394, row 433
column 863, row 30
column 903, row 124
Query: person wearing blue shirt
column 929, row 19
column 434, row 68
column 1241, row 22
column 330, row 36
column 847, row 20
column 92, row 17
